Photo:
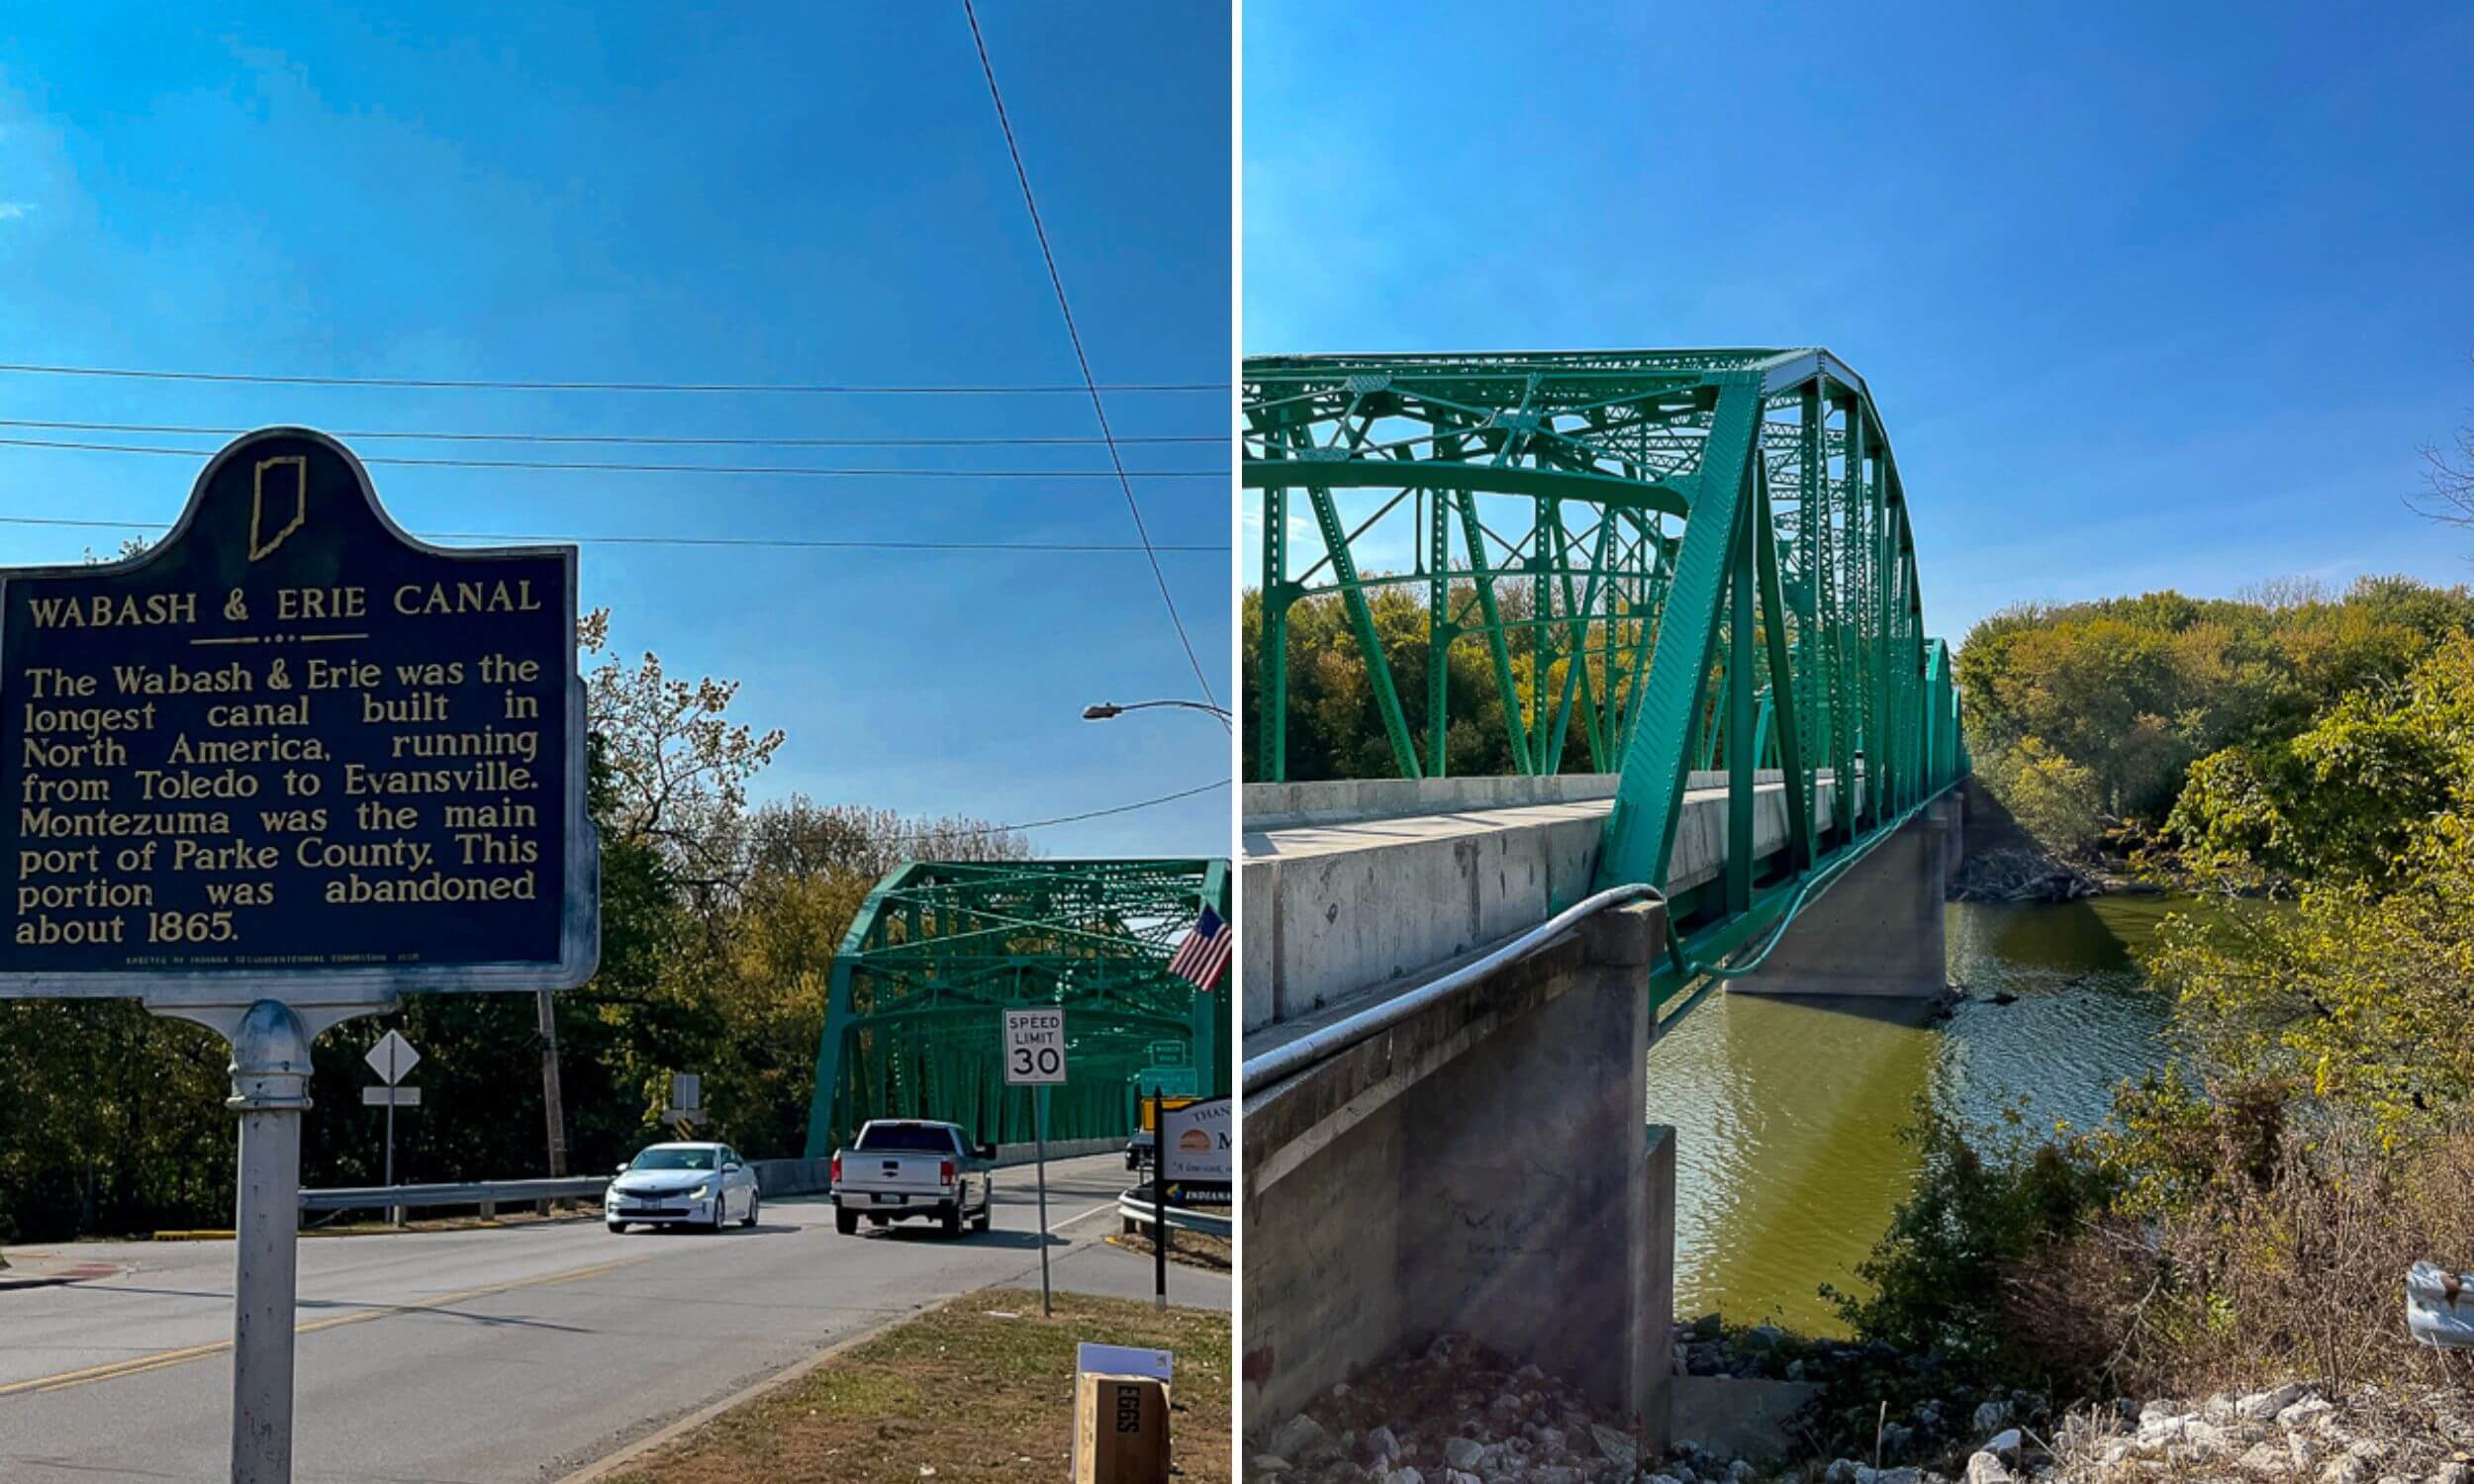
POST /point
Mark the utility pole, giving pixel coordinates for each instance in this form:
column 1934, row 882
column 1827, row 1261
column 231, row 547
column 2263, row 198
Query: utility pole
column 553, row 1110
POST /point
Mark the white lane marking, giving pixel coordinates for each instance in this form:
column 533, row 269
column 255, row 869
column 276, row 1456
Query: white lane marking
column 1086, row 1216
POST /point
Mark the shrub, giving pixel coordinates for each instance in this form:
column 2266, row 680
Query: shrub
column 1938, row 1278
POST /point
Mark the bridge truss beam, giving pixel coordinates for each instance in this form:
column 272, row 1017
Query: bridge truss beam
column 940, row 949
column 1673, row 559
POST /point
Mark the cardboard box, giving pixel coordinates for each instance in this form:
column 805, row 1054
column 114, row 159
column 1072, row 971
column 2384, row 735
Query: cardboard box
column 1120, row 1429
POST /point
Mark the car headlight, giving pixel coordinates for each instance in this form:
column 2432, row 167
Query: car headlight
column 700, row 1191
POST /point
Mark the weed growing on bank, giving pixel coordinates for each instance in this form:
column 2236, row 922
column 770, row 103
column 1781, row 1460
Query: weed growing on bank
column 2197, row 1242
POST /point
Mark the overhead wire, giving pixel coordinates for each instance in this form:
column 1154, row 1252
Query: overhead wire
column 600, row 467
column 1090, row 383
column 837, row 388
column 1037, row 824
column 781, row 542
column 630, row 439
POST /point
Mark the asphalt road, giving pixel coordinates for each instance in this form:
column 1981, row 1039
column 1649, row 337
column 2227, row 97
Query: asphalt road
column 508, row 1355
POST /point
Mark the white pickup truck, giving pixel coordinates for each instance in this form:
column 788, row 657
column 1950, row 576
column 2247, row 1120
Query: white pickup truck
column 902, row 1169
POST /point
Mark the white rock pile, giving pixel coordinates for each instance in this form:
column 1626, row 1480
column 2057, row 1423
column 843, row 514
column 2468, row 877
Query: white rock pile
column 1453, row 1414
column 1458, row 1414
column 2373, row 1436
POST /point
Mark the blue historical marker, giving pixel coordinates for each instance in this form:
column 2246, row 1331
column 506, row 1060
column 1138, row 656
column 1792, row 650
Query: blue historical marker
column 290, row 744
column 281, row 768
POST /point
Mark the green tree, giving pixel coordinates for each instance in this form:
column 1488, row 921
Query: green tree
column 2117, row 702
column 2357, row 991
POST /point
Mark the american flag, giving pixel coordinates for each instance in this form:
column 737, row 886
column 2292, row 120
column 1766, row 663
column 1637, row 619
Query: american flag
column 1204, row 957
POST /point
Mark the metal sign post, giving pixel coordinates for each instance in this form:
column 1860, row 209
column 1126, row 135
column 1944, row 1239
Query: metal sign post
column 1035, row 1057
column 1159, row 1202
column 1047, row 1307
column 278, row 771
column 391, row 1058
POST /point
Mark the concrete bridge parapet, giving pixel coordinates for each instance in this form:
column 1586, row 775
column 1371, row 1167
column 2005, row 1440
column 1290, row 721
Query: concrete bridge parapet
column 1350, row 887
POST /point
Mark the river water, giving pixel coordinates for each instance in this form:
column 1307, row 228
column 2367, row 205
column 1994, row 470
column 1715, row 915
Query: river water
column 1789, row 1159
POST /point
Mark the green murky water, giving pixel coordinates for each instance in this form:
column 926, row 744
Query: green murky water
column 1788, row 1161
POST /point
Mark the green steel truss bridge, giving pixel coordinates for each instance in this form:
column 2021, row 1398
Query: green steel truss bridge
column 1672, row 559
column 913, row 1027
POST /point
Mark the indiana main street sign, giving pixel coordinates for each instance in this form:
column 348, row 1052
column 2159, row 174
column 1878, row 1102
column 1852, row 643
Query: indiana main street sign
column 291, row 753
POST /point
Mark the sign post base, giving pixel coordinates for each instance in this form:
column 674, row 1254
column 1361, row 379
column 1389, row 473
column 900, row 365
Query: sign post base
column 270, row 1072
column 1047, row 1307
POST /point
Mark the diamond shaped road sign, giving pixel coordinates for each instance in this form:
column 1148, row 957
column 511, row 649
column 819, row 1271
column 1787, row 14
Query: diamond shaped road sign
column 392, row 1057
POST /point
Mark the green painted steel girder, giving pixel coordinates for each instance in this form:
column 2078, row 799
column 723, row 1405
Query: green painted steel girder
column 1712, row 546
column 913, row 1023
column 1449, row 474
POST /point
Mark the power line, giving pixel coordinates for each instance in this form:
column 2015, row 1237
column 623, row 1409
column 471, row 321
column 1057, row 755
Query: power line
column 833, row 389
column 1070, row 817
column 596, row 467
column 1089, row 382
column 373, row 435
column 784, row 542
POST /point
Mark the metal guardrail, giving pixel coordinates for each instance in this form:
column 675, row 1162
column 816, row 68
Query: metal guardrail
column 1135, row 1208
column 487, row 1194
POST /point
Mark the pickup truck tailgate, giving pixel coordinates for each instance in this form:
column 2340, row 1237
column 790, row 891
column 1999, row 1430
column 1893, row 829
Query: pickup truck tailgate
column 894, row 1173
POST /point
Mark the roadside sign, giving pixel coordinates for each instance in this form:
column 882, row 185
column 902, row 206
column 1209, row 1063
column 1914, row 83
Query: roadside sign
column 1195, row 1142
column 1034, row 1047
column 1035, row 1059
column 291, row 753
column 1175, row 1081
column 1163, row 1099
column 687, row 1101
column 392, row 1057
column 1168, row 1053
column 279, row 770
column 391, row 1097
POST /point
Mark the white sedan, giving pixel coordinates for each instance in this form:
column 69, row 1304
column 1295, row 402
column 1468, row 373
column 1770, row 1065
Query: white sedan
column 682, row 1185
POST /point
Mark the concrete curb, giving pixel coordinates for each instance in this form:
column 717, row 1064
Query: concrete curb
column 635, row 1452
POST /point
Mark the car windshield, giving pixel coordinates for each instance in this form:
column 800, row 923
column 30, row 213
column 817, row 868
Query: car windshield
column 674, row 1158
column 905, row 1138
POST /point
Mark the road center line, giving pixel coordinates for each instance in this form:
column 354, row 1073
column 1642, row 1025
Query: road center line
column 137, row 1364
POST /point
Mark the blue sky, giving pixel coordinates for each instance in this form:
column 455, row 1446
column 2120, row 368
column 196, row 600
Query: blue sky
column 2150, row 295
column 746, row 194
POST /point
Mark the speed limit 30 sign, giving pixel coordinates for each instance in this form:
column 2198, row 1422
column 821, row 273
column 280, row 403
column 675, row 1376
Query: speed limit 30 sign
column 1034, row 1047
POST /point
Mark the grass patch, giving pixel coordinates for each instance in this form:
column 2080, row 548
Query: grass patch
column 963, row 1391
column 1188, row 1249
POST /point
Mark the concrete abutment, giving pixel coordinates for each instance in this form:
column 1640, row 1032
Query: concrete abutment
column 1876, row 932
column 1407, row 1187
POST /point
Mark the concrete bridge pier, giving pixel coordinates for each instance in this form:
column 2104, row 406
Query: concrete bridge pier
column 1479, row 1167
column 1877, row 930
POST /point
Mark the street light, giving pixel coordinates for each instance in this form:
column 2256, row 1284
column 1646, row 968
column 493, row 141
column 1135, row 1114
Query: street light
column 1106, row 710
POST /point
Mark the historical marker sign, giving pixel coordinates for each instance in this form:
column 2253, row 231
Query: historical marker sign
column 291, row 752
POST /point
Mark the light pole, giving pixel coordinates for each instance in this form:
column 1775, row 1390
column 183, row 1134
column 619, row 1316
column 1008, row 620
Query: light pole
column 1103, row 710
